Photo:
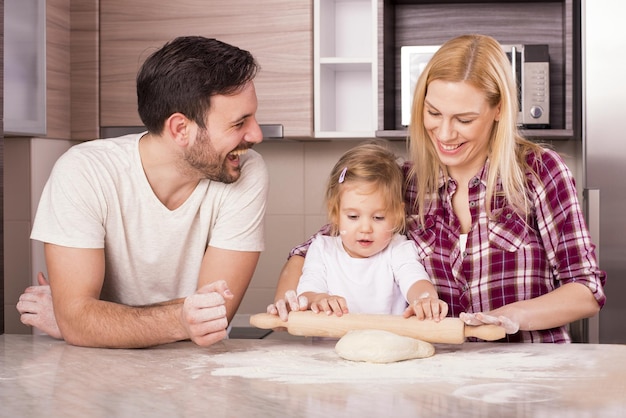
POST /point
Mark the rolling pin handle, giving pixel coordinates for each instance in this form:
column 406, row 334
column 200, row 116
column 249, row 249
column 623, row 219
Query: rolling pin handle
column 267, row 321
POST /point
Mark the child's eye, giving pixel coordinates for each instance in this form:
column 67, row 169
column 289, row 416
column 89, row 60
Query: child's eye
column 379, row 218
column 353, row 217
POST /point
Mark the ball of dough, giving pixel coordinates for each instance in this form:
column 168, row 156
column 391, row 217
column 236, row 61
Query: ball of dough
column 376, row 346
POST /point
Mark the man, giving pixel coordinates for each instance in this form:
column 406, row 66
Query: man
column 153, row 238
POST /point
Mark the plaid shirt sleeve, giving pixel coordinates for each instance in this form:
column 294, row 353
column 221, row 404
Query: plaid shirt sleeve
column 302, row 249
column 562, row 227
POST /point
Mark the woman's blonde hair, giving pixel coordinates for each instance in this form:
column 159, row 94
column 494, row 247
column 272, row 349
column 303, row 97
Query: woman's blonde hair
column 480, row 61
column 373, row 164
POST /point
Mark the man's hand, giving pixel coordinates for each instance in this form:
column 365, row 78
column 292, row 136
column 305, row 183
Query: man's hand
column 36, row 310
column 204, row 313
column 291, row 302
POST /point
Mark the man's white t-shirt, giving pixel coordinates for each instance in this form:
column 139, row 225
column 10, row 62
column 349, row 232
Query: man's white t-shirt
column 375, row 285
column 98, row 196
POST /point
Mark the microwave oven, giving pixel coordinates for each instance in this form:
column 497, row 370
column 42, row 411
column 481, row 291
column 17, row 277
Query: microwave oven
column 531, row 68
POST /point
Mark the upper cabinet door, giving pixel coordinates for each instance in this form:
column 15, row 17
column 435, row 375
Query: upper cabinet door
column 277, row 32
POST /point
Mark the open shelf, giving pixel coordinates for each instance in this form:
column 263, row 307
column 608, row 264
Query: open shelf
column 345, row 68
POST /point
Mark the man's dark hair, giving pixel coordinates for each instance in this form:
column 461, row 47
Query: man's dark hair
column 184, row 74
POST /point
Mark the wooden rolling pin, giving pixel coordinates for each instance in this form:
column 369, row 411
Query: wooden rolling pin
column 311, row 324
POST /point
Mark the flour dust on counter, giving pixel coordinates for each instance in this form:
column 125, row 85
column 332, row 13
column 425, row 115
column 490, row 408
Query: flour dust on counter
column 314, row 363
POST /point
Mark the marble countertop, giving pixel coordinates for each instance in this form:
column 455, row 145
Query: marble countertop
column 304, row 377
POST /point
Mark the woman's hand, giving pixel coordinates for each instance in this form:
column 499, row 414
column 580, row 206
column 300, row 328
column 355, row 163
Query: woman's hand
column 427, row 307
column 510, row 326
column 291, row 302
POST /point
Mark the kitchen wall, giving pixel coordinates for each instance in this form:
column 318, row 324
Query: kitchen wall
column 298, row 172
column 27, row 164
column 28, row 161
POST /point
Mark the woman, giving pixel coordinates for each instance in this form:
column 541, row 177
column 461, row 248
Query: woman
column 495, row 217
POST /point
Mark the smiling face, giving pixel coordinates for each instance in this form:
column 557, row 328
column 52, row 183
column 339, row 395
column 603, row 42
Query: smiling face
column 459, row 121
column 231, row 130
column 365, row 225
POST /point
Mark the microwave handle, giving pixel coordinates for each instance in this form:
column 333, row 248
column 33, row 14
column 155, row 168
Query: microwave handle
column 514, row 64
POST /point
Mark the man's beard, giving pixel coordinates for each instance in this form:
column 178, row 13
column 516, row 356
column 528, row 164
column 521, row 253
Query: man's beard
column 203, row 159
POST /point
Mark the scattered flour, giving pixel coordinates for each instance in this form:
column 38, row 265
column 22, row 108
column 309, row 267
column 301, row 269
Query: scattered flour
column 308, row 364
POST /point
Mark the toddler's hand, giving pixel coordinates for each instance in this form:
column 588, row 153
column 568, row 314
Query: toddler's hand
column 330, row 305
column 291, row 302
column 427, row 307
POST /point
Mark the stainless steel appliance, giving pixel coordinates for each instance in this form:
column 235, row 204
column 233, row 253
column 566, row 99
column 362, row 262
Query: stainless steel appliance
column 604, row 146
column 531, row 68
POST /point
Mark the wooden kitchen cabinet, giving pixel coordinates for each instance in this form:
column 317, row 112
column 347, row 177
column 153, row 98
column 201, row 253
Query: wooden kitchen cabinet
column 277, row 32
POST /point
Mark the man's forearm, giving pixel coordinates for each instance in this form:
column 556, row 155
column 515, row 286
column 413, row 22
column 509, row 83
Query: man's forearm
column 99, row 323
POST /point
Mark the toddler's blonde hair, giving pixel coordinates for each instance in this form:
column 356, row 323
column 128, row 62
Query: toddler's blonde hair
column 373, row 164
